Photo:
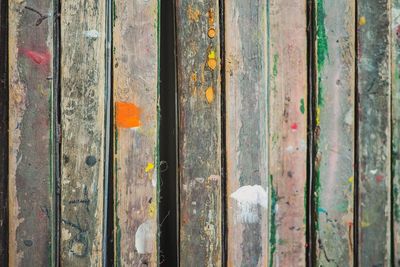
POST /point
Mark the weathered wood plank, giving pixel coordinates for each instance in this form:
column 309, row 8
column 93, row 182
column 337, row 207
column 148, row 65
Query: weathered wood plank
column 135, row 139
column 288, row 131
column 395, row 78
column 374, row 132
column 335, row 61
column 4, row 134
column 83, row 130
column 31, row 211
column 246, row 132
column 199, row 101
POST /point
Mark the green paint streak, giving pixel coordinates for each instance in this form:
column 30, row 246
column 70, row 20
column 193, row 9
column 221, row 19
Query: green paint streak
column 322, row 47
column 272, row 228
column 302, row 108
column 275, row 68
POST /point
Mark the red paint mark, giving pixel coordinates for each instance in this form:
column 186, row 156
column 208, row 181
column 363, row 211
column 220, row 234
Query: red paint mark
column 37, row 57
column 127, row 115
column 293, row 126
column 379, row 178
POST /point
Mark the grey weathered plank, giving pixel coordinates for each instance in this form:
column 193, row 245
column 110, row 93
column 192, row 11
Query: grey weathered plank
column 335, row 61
column 246, row 132
column 30, row 128
column 374, row 132
column 199, row 101
column 288, row 131
column 135, row 37
column 83, row 131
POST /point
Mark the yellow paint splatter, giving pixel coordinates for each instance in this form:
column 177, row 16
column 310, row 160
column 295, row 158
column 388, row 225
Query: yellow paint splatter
column 317, row 120
column 365, row 224
column 212, row 62
column 211, row 33
column 351, row 179
column 210, row 95
column 211, row 55
column 149, row 167
column 362, row 21
column 152, row 209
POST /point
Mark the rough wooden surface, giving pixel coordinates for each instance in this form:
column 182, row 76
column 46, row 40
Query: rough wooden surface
column 199, row 93
column 374, row 132
column 82, row 117
column 135, row 66
column 3, row 134
column 288, row 131
column 30, row 98
column 335, row 64
column 395, row 72
column 247, row 132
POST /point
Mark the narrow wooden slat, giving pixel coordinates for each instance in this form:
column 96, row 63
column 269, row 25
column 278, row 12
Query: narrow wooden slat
column 246, row 132
column 135, row 66
column 374, row 132
column 31, row 211
column 199, row 93
column 395, row 72
column 288, row 131
column 83, row 117
column 335, row 131
column 3, row 133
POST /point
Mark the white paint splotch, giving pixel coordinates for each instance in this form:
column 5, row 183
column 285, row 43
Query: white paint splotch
column 144, row 238
column 249, row 199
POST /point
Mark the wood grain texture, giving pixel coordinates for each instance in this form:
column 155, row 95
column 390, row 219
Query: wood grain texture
column 136, row 172
column 335, row 64
column 31, row 212
column 374, row 132
column 395, row 78
column 199, row 101
column 288, row 131
column 246, row 132
column 4, row 133
column 83, row 118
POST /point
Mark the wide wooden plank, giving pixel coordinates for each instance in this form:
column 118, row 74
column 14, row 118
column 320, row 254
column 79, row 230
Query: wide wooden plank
column 374, row 132
column 199, row 101
column 4, row 133
column 83, row 131
column 335, row 61
column 395, row 119
column 136, row 64
column 31, row 213
column 288, row 131
column 246, row 132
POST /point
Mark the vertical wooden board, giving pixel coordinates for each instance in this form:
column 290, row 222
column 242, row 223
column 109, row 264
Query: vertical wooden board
column 3, row 134
column 246, row 132
column 374, row 132
column 395, row 72
column 31, row 210
column 82, row 116
column 288, row 131
column 135, row 139
column 335, row 61
column 199, row 101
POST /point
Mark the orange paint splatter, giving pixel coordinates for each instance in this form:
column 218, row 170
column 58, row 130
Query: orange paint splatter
column 127, row 115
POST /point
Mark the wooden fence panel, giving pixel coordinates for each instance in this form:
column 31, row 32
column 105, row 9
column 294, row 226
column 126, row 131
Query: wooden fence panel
column 136, row 132
column 199, row 102
column 83, row 131
column 31, row 194
column 335, row 66
column 288, row 131
column 246, row 132
column 374, row 132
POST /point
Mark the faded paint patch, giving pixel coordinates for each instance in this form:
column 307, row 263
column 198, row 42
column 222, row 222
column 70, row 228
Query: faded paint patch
column 144, row 238
column 249, row 198
column 127, row 115
column 93, row 34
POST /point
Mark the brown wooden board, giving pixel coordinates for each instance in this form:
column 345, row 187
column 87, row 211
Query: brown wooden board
column 335, row 65
column 287, row 131
column 135, row 46
column 4, row 133
column 199, row 102
column 374, row 132
column 83, row 91
column 246, row 132
column 31, row 213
